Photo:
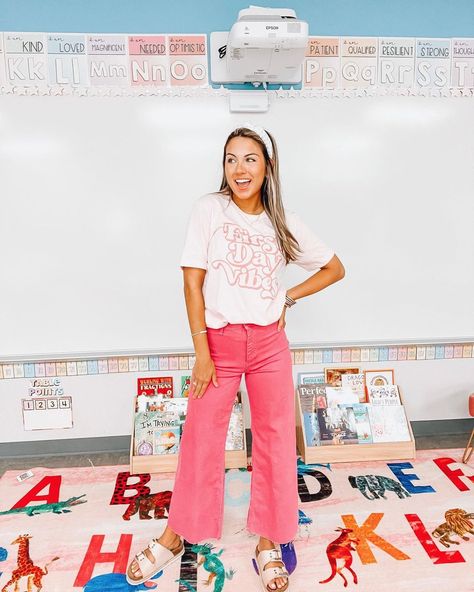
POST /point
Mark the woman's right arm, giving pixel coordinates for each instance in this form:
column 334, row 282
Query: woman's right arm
column 204, row 370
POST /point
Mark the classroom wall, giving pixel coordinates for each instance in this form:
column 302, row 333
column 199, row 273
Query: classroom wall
column 102, row 404
column 432, row 18
column 433, row 389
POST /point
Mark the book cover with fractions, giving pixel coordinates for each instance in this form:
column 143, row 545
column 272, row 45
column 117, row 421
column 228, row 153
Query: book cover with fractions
column 155, row 385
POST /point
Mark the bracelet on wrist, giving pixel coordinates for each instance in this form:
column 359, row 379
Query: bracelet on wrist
column 289, row 301
column 197, row 332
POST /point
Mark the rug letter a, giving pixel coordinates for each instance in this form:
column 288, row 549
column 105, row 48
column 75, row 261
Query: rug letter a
column 52, row 497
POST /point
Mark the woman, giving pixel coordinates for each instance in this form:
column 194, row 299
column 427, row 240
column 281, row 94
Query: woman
column 237, row 243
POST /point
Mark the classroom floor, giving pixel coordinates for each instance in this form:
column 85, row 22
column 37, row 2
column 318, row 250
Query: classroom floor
column 75, row 537
column 122, row 457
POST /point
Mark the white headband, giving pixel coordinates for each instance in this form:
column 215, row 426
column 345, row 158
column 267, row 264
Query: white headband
column 262, row 134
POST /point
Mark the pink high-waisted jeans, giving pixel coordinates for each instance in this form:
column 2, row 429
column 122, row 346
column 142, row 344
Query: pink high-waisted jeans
column 197, row 503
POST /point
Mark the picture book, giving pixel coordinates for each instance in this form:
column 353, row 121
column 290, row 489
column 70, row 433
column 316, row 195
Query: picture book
column 384, row 395
column 337, row 395
column 356, row 382
column 379, row 377
column 312, row 397
column 144, row 435
column 154, row 419
column 388, row 423
column 311, row 429
column 310, row 378
column 149, row 403
column 185, row 386
column 155, row 385
column 167, row 440
column 177, row 406
column 147, row 424
column 235, row 432
column 362, row 422
column 333, row 376
column 337, row 425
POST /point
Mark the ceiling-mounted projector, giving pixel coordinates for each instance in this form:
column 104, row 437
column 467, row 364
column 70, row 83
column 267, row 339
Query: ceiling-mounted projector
column 264, row 45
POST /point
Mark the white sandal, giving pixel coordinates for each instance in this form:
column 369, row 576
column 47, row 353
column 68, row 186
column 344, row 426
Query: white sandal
column 270, row 573
column 162, row 557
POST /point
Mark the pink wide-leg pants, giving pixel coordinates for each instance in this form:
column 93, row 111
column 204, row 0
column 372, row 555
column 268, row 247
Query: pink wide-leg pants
column 197, row 504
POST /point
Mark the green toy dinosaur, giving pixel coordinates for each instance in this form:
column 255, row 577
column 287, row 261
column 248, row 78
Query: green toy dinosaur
column 213, row 565
column 56, row 508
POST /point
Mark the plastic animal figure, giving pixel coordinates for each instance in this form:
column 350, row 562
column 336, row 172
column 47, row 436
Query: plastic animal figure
column 377, row 485
column 341, row 548
column 55, row 508
column 457, row 522
column 303, row 468
column 303, row 519
column 26, row 567
column 145, row 503
column 213, row 565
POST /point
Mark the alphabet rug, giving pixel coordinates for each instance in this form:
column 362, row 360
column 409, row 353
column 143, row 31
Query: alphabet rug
column 373, row 526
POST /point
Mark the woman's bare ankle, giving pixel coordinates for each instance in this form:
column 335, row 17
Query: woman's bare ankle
column 169, row 537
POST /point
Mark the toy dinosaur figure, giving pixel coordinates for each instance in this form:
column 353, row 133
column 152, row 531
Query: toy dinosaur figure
column 55, row 508
column 303, row 468
column 213, row 565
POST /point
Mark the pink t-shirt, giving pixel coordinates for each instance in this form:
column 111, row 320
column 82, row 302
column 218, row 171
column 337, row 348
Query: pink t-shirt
column 243, row 261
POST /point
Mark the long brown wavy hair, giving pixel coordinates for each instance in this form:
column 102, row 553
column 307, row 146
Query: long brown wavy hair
column 270, row 193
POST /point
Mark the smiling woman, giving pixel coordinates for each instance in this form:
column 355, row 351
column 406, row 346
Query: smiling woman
column 238, row 241
column 245, row 172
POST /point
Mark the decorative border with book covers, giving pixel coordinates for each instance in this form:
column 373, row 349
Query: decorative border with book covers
column 185, row 361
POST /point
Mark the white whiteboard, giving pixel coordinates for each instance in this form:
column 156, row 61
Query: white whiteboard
column 96, row 193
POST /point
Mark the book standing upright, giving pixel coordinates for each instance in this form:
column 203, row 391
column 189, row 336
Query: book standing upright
column 336, row 431
column 158, row 423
